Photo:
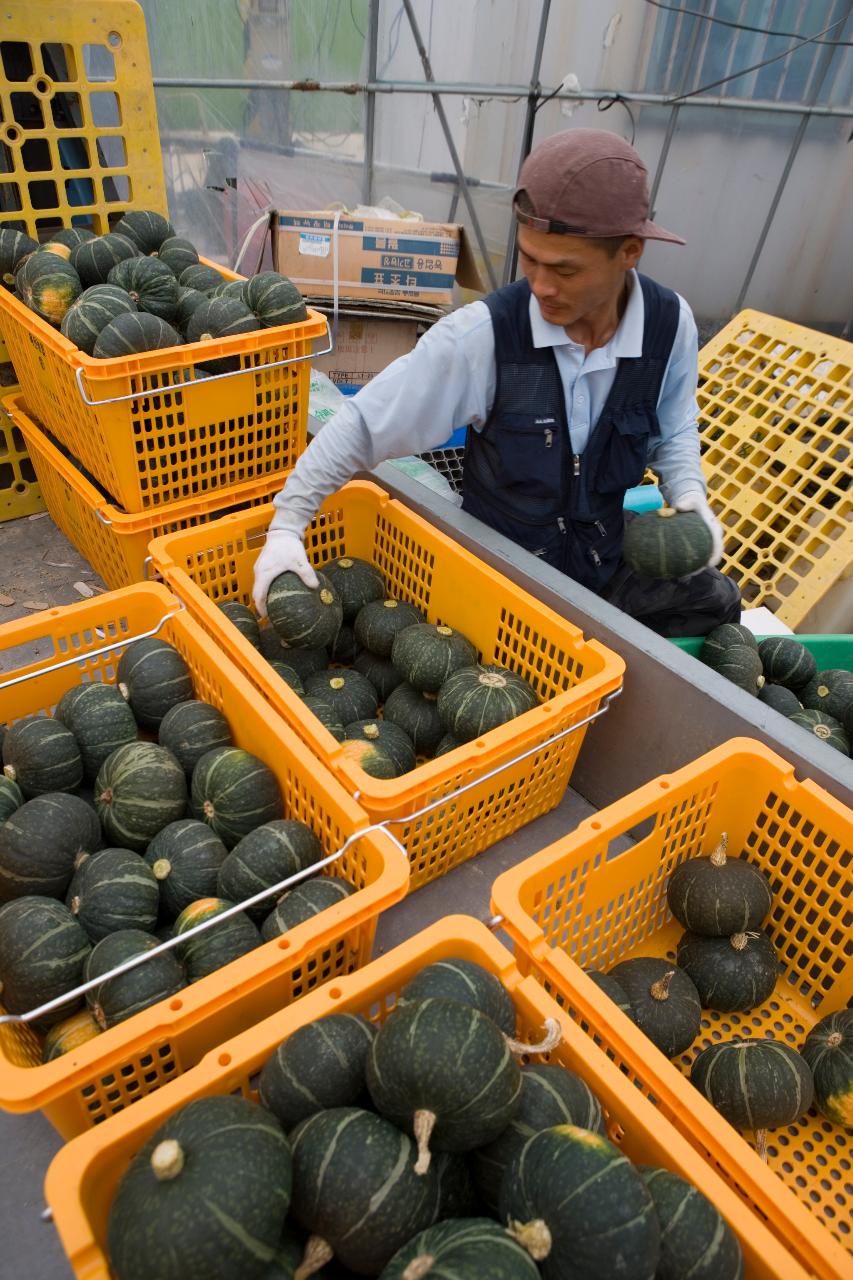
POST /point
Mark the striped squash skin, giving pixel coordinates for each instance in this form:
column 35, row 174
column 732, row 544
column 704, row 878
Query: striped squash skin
column 41, row 755
column 289, row 676
column 730, row 974
column 151, row 285
column 477, row 699
column 146, row 228
column 350, row 694
column 177, row 254
column 367, row 1201
column 830, row 691
column 264, row 857
column 667, row 543
column 828, row 1050
column 321, row 1065
column 274, row 299
column 379, row 622
column 390, row 737
column 71, row 236
column 188, row 300
column 115, row 889
column 462, row 1249
column 48, row 285
column 695, row 1239
column 200, row 277
column 304, row 902
column 220, row 318
column 344, row 649
column 129, row 335
column 824, row 727
column 230, row 289
column 69, row 1034
column 43, row 951
column 185, row 858
column 754, row 1084
column 325, row 713
column 41, row 842
column 99, row 717
column 467, row 982
column 304, row 661
column 356, row 582
column 304, row 618
column 241, row 616
column 190, row 729
column 448, row 743
column 217, row 946
column 786, row 662
column 11, row 797
column 94, row 259
column 92, row 312
column 234, row 792
column 441, row 1056
column 156, row 678
column 719, row 898
column 222, row 1215
column 427, row 655
column 612, row 990
column 726, row 636
column 139, row 789
column 779, row 698
column 593, row 1201
column 381, row 673
column 550, row 1095
column 14, row 247
column 671, row 1022
column 417, row 715
column 117, row 999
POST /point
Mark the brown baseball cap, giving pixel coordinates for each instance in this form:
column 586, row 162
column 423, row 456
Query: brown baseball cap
column 587, row 182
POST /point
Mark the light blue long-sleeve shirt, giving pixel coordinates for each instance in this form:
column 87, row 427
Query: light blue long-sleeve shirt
column 448, row 381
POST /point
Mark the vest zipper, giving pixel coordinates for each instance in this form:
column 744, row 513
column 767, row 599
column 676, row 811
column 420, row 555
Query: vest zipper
column 600, row 527
column 549, row 437
column 576, row 464
column 561, row 524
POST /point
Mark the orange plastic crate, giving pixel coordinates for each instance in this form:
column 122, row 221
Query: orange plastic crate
column 588, row 902
column 119, row 1067
column 82, row 1179
column 115, row 543
column 572, row 675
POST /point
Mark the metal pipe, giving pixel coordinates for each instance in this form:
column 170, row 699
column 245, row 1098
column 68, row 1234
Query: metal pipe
column 533, row 96
column 370, row 101
column 451, row 145
column 826, row 57
column 673, row 117
column 496, row 91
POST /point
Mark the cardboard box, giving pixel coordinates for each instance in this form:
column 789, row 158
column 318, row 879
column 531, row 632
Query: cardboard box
column 383, row 259
column 369, row 338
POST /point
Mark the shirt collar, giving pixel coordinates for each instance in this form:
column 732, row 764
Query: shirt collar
column 627, row 340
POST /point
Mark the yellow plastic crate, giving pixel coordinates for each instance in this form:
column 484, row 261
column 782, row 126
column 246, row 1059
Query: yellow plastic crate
column 79, row 122
column 776, row 415
column 82, row 1179
column 587, row 902
column 20, row 494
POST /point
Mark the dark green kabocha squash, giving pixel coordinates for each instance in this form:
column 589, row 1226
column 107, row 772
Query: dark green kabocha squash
column 216, row 319
column 468, row 982
column 779, row 698
column 289, row 676
column 444, row 1072
column 372, row 757
column 41, row 755
column 263, row 858
column 393, row 740
column 89, row 314
column 719, row 896
column 116, row 999
column 447, row 743
column 93, row 260
column 188, row 301
column 786, row 662
column 829, row 691
column 665, row 1002
column 355, row 1188
column 139, row 789
column 567, row 1193
column 475, row 700
column 156, row 678
column 326, row 714
column 381, row 673
column 71, row 1033
column 462, row 1249
column 146, row 228
column 828, row 1050
column 417, row 715
column 378, row 624
column 234, row 792
column 14, row 247
column 48, row 285
column 303, row 902
column 177, row 254
column 185, row 858
column 150, row 285
column 304, row 617
column 11, row 797
column 198, row 276
column 42, row 954
column 274, row 299
column 696, row 1241
column 350, row 694
column 133, row 333
column 824, row 727
column 730, row 974
column 667, row 543
column 732, row 650
column 101, row 720
column 319, row 1066
column 344, row 649
column 611, row 988
column 208, row 951
column 114, row 889
column 754, row 1084
column 303, row 659
column 428, row 654
column 42, row 842
column 190, row 729
column 550, row 1095
column 356, row 582
column 243, row 619
column 206, row 1196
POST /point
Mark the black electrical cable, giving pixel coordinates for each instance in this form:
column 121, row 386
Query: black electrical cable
column 740, row 26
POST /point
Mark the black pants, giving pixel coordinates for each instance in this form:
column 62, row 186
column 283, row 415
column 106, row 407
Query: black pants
column 679, row 607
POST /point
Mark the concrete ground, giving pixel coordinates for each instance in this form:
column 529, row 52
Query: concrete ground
column 39, row 569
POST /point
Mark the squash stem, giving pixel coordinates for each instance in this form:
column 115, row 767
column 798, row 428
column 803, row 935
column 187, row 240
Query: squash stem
column 423, row 1127
column 533, row 1236
column 761, row 1143
column 553, row 1036
column 419, row 1267
column 660, row 990
column 718, row 857
column 317, row 1253
column 167, row 1160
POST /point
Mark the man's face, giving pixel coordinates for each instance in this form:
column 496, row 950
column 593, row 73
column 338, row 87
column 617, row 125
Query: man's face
column 571, row 277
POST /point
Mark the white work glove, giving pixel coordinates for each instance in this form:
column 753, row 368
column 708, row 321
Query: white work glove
column 283, row 551
column 695, row 501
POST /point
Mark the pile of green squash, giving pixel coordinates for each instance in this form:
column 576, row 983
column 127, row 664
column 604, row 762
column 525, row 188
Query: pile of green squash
column 126, row 818
column 417, row 1148
column 724, row 961
column 140, row 287
column 391, row 687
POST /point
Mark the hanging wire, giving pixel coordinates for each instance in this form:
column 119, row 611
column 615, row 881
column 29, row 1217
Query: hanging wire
column 610, row 102
column 740, row 26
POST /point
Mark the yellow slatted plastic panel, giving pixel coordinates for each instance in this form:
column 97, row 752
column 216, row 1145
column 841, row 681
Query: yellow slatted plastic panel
column 776, row 414
column 79, row 125
column 20, row 494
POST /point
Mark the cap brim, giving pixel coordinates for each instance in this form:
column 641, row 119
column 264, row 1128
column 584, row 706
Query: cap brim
column 651, row 231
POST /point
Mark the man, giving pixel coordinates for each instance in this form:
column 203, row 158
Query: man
column 571, row 379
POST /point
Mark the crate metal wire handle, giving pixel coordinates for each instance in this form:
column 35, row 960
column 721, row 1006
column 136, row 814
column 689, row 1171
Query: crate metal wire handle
column 214, row 377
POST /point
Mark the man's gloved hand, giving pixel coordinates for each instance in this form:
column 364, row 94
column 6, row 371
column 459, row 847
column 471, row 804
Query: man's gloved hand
column 283, row 551
column 695, row 501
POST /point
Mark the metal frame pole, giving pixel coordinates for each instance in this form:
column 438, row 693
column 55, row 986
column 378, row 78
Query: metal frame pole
column 451, row 145
column 511, row 254
column 673, row 117
column 370, row 101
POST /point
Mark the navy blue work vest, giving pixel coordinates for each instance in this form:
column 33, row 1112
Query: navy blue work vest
column 521, row 476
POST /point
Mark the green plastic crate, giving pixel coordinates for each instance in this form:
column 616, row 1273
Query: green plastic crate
column 829, row 651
